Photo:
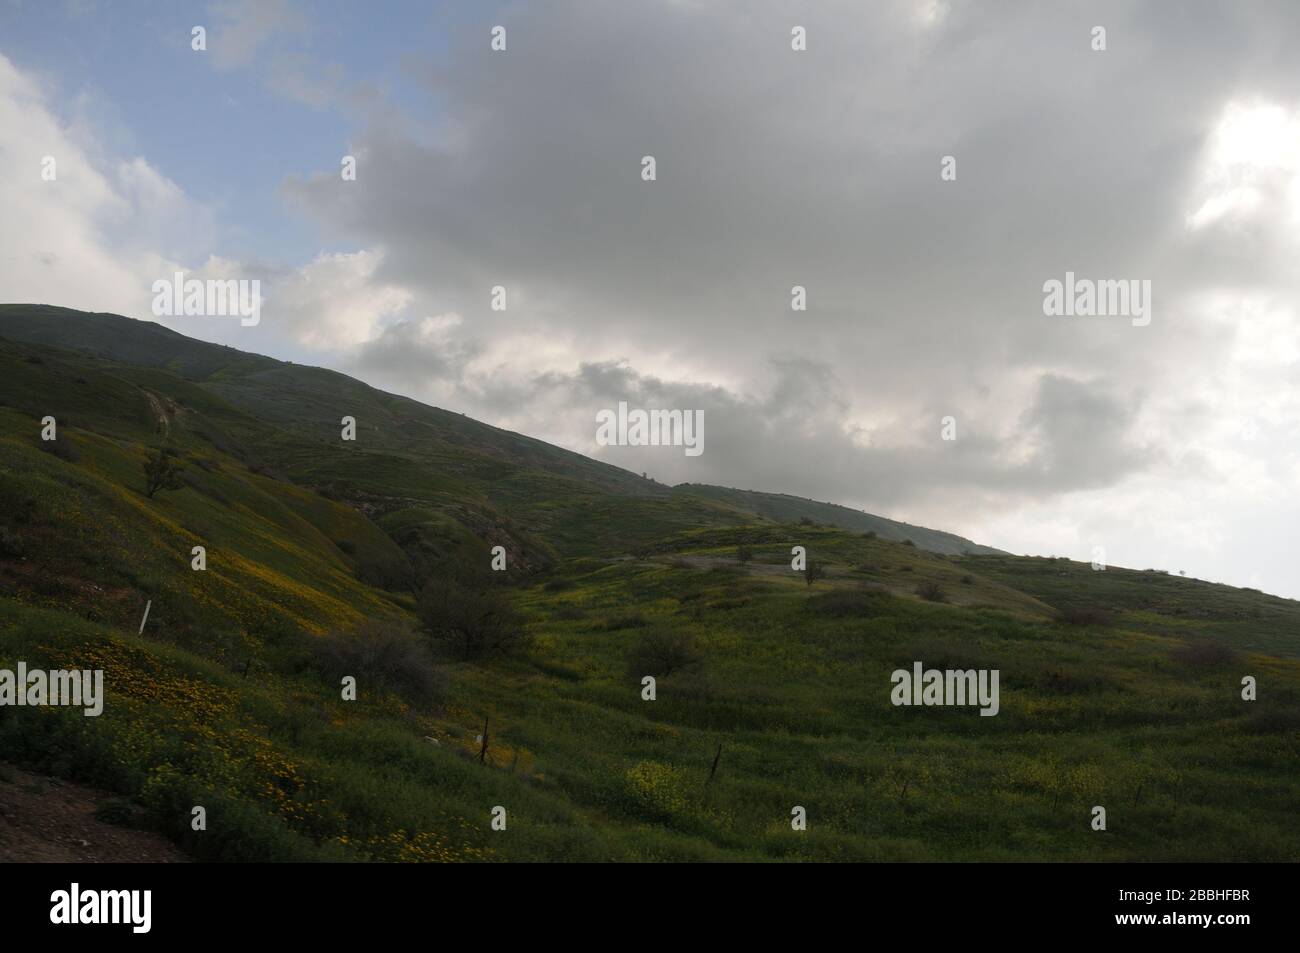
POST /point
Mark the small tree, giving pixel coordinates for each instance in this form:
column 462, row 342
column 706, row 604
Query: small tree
column 743, row 553
column 382, row 655
column 472, row 621
column 932, row 592
column 813, row 571
column 660, row 652
column 162, row 471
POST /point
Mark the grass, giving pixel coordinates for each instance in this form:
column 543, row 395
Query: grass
column 1119, row 688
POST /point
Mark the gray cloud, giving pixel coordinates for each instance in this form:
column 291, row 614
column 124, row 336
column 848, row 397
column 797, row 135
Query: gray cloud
column 1173, row 156
column 821, row 169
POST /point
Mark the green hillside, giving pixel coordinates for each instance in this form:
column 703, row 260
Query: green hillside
column 324, row 559
column 781, row 508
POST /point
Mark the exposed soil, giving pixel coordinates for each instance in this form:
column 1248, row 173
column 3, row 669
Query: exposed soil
column 46, row 820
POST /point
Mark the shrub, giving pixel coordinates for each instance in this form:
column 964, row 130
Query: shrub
column 656, row 790
column 1085, row 615
column 472, row 622
column 944, row 653
column 967, row 581
column 1273, row 721
column 849, row 603
column 1205, row 654
column 346, row 546
column 869, row 534
column 1070, row 683
column 908, row 542
column 931, row 592
column 121, row 812
column 743, row 553
column 11, row 543
column 813, row 571
column 63, row 448
column 392, row 573
column 660, row 652
column 558, row 584
column 162, row 471
column 15, row 502
column 385, row 655
column 629, row 620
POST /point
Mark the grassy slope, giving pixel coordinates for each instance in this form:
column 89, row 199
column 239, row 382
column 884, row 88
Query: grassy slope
column 445, row 460
column 782, row 508
column 218, row 703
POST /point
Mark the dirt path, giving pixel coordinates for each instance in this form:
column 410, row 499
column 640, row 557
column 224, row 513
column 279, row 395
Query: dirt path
column 164, row 422
column 782, row 570
column 46, row 820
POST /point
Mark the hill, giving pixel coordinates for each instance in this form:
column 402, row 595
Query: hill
column 409, row 451
column 1119, row 688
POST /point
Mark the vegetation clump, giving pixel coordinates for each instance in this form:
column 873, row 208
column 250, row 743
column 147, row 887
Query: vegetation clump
column 661, row 652
column 162, row 471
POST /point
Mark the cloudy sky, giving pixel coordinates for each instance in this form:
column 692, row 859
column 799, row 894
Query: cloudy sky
column 1172, row 156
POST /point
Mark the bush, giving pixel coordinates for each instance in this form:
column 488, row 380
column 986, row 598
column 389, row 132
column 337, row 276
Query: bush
column 63, row 448
column 11, row 543
column 849, row 603
column 162, row 471
column 18, row 506
column 1205, row 655
column 931, row 592
column 908, row 542
column 558, row 584
column 1085, row 615
column 743, row 553
column 813, row 571
column 392, row 573
column 869, row 534
column 947, row 653
column 1273, row 721
column 1070, row 683
column 660, row 652
column 472, row 622
column 346, row 546
column 629, row 620
column 121, row 812
column 967, row 581
column 383, row 655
